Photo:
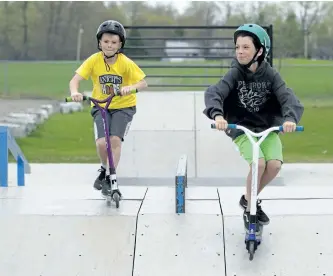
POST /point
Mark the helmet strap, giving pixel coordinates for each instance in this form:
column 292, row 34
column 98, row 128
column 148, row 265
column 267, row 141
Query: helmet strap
column 107, row 66
column 254, row 59
column 107, row 57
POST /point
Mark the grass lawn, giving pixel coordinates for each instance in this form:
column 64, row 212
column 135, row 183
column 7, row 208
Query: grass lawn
column 311, row 80
column 314, row 144
column 76, row 143
column 308, row 78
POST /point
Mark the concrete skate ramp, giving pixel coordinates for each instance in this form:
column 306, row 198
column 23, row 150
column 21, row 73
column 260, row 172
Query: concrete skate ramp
column 170, row 124
column 52, row 230
column 67, row 245
column 295, row 175
column 296, row 242
column 56, row 230
column 66, row 230
column 187, row 244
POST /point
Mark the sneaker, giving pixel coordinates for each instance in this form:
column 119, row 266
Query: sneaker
column 262, row 217
column 99, row 179
column 106, row 186
column 243, row 202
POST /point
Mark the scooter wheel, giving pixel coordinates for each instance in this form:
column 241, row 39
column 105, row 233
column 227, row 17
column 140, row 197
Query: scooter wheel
column 116, row 198
column 251, row 250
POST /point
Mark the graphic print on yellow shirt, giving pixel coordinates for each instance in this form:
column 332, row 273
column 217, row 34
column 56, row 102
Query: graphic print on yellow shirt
column 124, row 72
column 110, row 84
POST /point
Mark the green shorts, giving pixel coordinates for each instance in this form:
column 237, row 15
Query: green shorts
column 270, row 148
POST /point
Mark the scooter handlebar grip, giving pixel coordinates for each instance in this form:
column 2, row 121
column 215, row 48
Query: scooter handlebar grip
column 69, row 99
column 298, row 128
column 229, row 126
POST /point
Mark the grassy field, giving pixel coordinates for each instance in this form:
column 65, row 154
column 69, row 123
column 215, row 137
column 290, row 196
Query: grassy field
column 314, row 144
column 76, row 144
column 310, row 79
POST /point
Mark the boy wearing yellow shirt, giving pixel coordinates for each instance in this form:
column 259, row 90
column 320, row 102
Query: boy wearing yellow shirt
column 110, row 72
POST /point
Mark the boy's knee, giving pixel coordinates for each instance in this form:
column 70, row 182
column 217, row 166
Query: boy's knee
column 273, row 166
column 261, row 164
column 115, row 141
column 100, row 143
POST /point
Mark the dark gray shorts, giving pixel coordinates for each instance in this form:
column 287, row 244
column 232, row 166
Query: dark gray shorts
column 119, row 121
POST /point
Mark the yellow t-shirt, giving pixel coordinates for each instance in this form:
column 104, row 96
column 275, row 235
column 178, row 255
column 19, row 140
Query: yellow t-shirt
column 124, row 72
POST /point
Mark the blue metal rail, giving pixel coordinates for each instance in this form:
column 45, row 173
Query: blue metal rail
column 8, row 143
column 181, row 184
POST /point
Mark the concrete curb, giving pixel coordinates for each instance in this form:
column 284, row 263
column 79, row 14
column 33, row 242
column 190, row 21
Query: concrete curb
column 22, row 124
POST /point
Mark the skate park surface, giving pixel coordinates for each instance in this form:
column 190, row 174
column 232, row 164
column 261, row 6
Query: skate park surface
column 58, row 225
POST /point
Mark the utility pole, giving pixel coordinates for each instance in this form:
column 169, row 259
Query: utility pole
column 78, row 46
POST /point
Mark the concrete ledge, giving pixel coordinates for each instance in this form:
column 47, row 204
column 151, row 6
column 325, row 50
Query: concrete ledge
column 88, row 173
column 31, row 118
column 71, row 107
column 24, row 122
column 49, row 108
column 17, row 130
column 41, row 113
column 21, row 124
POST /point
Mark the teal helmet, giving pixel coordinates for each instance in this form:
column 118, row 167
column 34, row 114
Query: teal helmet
column 259, row 34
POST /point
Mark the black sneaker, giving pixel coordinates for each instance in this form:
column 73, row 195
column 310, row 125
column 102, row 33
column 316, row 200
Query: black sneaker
column 99, row 179
column 262, row 217
column 106, row 186
column 243, row 202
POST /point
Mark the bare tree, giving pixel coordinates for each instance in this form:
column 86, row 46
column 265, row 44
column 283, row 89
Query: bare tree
column 49, row 40
column 25, row 29
column 310, row 13
column 228, row 8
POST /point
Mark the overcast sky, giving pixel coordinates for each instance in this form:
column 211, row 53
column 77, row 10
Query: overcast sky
column 181, row 5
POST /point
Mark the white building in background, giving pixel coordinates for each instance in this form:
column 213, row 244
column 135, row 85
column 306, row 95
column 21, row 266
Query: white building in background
column 188, row 51
column 194, row 54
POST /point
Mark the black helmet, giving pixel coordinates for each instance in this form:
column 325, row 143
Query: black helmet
column 113, row 27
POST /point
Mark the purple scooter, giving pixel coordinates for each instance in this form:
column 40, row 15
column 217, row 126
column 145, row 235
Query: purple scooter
column 114, row 193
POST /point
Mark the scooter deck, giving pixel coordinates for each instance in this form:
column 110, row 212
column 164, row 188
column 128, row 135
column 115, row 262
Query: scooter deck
column 258, row 233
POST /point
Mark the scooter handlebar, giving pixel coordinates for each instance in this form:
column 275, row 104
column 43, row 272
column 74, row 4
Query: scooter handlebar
column 69, row 99
column 234, row 126
column 298, row 128
column 87, row 98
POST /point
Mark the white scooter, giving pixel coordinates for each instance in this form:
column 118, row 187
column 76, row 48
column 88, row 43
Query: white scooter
column 253, row 235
